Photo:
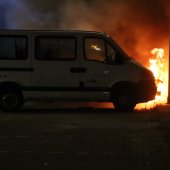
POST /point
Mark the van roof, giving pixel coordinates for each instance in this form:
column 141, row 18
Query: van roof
column 6, row 31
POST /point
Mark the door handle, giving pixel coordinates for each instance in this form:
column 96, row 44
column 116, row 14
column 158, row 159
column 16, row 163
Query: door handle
column 78, row 70
column 106, row 71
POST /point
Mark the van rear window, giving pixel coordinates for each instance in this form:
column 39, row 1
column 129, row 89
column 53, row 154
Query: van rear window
column 13, row 47
column 55, row 48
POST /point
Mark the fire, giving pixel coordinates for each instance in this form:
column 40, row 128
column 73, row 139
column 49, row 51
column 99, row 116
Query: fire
column 96, row 48
column 157, row 65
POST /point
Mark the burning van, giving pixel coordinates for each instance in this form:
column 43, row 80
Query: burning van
column 69, row 65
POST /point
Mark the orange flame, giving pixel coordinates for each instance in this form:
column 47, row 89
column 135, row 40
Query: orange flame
column 158, row 67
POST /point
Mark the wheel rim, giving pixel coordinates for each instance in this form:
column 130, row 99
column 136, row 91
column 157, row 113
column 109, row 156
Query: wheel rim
column 123, row 100
column 9, row 100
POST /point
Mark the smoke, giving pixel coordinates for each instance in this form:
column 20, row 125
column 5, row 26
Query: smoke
column 138, row 26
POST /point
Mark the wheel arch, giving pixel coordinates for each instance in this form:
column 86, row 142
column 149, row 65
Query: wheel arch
column 10, row 85
column 123, row 86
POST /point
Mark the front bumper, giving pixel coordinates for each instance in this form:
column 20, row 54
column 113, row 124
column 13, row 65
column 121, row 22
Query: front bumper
column 145, row 91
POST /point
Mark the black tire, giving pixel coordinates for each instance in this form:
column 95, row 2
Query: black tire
column 11, row 100
column 124, row 102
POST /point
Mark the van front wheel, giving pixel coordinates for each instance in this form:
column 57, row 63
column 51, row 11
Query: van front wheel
column 123, row 102
column 10, row 100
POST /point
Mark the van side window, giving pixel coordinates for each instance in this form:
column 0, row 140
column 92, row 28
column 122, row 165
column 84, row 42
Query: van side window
column 13, row 47
column 95, row 49
column 55, row 48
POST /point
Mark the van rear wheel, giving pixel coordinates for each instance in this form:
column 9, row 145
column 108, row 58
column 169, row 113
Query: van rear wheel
column 123, row 102
column 11, row 100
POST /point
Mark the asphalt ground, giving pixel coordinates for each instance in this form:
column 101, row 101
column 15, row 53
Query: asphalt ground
column 84, row 138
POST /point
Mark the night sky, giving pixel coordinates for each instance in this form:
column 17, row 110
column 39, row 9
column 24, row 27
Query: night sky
column 137, row 25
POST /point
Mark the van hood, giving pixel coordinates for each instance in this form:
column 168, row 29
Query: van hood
column 145, row 72
column 134, row 62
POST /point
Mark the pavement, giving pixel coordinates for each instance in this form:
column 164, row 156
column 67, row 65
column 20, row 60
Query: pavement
column 85, row 139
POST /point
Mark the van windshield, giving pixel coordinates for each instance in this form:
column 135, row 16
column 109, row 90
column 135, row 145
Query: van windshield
column 122, row 53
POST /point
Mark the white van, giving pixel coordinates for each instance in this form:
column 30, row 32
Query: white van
column 69, row 65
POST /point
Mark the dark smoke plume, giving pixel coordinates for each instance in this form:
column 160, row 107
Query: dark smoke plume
column 138, row 25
